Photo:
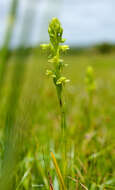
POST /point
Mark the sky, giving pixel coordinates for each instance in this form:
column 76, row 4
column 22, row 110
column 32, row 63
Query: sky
column 85, row 22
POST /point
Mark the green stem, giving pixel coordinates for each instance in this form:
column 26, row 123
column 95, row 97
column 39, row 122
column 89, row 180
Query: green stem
column 63, row 117
column 63, row 128
column 62, row 108
column 90, row 109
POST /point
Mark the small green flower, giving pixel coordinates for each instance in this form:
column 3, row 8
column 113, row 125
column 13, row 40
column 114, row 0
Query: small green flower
column 45, row 46
column 62, row 80
column 50, row 73
column 64, row 48
column 55, row 59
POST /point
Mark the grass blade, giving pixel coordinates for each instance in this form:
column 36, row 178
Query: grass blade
column 58, row 171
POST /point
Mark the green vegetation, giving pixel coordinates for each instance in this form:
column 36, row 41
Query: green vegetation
column 32, row 153
column 90, row 155
column 105, row 48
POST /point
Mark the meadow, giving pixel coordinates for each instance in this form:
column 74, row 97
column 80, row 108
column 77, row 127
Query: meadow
column 30, row 125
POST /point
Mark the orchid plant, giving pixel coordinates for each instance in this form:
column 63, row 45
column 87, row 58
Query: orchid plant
column 55, row 50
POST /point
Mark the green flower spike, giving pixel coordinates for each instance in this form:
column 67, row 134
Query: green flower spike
column 54, row 49
column 90, row 82
column 91, row 88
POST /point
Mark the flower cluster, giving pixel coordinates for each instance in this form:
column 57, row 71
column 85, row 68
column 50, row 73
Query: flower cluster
column 55, row 49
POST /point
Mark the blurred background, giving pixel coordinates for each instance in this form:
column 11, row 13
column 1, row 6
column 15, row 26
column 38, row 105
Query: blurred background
column 85, row 22
column 29, row 111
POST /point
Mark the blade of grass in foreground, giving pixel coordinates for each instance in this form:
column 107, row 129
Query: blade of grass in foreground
column 58, row 171
column 8, row 35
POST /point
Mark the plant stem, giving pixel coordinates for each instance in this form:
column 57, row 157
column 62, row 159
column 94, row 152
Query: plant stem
column 90, row 110
column 63, row 117
column 62, row 109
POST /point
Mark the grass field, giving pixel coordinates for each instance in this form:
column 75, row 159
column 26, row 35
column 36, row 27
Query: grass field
column 30, row 125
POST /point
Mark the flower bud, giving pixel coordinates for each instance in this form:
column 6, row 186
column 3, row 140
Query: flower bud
column 55, row 32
